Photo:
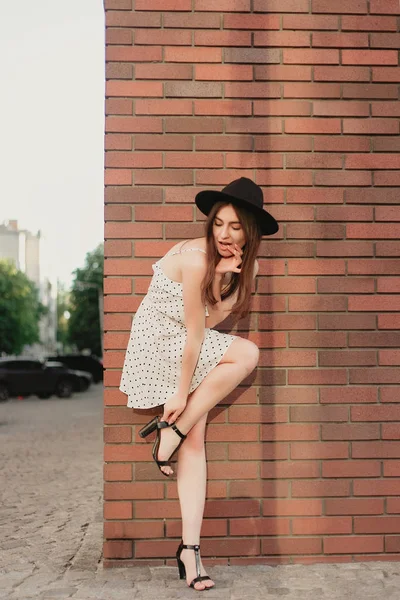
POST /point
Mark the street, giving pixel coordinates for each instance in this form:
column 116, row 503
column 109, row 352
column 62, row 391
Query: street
column 51, row 524
column 51, row 493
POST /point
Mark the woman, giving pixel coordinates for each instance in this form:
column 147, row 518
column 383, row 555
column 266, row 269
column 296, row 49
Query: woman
column 176, row 359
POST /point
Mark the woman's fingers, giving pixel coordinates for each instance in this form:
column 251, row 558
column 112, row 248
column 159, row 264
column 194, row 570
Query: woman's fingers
column 173, row 418
column 238, row 256
column 167, row 413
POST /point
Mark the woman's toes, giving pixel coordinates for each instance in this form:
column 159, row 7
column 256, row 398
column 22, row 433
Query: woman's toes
column 200, row 584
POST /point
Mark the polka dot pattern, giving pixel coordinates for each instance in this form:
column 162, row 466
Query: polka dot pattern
column 153, row 359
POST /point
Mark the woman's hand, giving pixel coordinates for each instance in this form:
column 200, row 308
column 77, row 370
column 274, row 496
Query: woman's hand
column 231, row 263
column 173, row 407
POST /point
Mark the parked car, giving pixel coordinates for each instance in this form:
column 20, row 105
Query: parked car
column 24, row 376
column 85, row 378
column 83, row 362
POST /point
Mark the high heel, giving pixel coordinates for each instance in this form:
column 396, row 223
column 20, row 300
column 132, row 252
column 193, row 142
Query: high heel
column 158, row 425
column 182, row 568
column 150, row 427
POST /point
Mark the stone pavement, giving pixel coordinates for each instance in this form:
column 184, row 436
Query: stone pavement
column 51, row 524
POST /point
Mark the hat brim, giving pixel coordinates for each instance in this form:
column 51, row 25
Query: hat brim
column 205, row 201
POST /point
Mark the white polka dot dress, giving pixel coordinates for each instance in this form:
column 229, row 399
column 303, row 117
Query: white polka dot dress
column 153, row 359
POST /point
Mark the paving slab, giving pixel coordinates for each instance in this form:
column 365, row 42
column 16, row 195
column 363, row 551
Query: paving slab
column 51, row 524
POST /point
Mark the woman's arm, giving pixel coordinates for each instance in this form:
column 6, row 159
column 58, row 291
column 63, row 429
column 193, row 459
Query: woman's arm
column 255, row 271
column 193, row 272
column 217, row 285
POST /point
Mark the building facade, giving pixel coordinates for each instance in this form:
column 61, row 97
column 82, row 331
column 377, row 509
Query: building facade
column 303, row 97
column 26, row 251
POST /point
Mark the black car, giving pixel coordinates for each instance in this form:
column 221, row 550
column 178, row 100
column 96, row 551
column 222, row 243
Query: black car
column 24, row 376
column 92, row 364
column 85, row 378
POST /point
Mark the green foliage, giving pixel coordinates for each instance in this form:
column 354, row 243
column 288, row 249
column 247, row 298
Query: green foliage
column 84, row 323
column 20, row 309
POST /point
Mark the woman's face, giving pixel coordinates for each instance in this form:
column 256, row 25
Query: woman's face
column 227, row 230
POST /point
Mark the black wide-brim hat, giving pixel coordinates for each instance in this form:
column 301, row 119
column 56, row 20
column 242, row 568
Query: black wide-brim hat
column 244, row 193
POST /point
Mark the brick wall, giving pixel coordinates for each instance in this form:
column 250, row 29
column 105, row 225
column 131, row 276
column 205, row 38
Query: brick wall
column 303, row 97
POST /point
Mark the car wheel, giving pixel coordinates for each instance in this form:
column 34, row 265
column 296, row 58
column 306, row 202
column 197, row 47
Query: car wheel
column 4, row 393
column 64, row 388
column 44, row 396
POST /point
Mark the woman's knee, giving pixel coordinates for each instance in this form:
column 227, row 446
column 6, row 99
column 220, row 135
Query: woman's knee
column 251, row 356
column 243, row 352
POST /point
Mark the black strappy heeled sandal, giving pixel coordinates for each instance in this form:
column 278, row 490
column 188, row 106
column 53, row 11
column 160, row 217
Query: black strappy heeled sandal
column 182, row 569
column 157, row 424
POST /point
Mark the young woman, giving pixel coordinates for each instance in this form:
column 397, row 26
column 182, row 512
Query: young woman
column 177, row 359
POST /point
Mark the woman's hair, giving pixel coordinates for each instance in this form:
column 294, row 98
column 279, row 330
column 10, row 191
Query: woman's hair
column 243, row 280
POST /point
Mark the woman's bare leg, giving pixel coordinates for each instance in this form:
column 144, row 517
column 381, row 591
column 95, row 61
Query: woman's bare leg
column 192, row 480
column 239, row 360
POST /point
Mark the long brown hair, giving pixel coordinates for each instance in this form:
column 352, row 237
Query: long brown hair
column 240, row 281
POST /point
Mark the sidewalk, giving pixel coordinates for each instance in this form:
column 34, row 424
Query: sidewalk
column 51, row 524
column 361, row 581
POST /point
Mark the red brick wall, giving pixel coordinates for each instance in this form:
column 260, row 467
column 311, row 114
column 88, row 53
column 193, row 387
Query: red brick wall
column 301, row 96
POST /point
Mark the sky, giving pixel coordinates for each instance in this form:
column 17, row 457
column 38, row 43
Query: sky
column 52, row 125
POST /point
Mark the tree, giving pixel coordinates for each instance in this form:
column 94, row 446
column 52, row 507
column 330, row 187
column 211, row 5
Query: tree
column 84, row 323
column 20, row 309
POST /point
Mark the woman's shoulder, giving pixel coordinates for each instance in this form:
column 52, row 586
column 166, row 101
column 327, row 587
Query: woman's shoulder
column 190, row 244
column 193, row 244
column 194, row 252
column 185, row 262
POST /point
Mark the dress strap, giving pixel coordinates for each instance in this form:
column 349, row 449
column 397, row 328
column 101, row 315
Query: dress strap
column 189, row 249
column 180, row 251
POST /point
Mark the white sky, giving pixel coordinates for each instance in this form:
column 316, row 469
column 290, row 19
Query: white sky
column 52, row 124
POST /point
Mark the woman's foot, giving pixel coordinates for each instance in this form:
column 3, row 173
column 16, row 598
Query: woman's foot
column 188, row 559
column 169, row 441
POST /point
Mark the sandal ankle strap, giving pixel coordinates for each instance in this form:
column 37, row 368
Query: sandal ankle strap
column 196, row 549
column 181, row 435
